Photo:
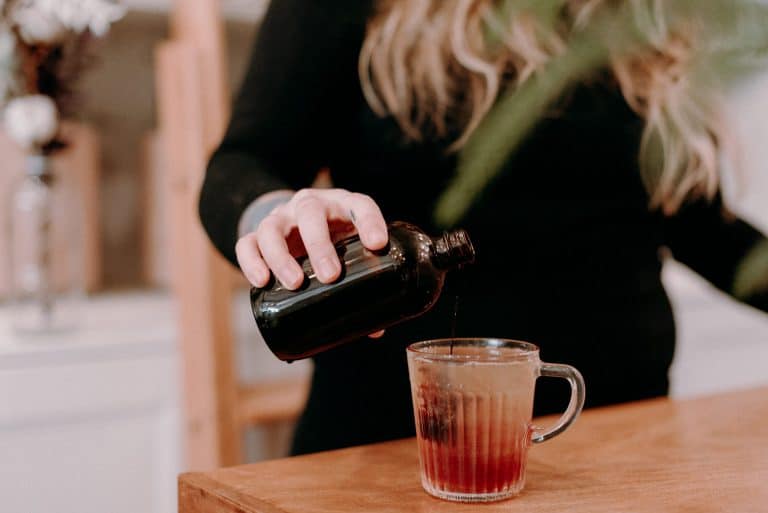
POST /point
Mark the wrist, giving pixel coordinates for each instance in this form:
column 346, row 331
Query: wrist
column 260, row 208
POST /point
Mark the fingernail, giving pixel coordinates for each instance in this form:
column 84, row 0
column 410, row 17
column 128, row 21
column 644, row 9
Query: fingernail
column 262, row 278
column 327, row 268
column 379, row 237
column 292, row 279
column 255, row 278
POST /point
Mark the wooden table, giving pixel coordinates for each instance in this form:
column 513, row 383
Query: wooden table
column 703, row 455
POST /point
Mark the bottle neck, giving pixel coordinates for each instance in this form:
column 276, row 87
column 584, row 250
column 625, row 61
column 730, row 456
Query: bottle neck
column 452, row 250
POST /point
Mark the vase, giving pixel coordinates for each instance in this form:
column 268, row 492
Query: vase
column 45, row 252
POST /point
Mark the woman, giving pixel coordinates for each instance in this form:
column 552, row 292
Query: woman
column 568, row 248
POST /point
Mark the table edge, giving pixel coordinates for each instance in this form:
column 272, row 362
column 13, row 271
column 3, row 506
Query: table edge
column 199, row 493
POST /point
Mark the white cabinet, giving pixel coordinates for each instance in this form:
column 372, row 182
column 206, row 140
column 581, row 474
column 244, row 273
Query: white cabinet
column 89, row 421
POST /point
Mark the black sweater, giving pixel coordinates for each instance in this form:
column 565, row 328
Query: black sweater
column 568, row 250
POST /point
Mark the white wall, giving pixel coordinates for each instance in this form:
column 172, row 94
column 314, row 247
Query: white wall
column 723, row 344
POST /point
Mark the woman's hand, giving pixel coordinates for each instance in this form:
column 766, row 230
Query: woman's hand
column 309, row 224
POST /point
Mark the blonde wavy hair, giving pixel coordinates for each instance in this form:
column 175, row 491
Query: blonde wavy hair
column 430, row 65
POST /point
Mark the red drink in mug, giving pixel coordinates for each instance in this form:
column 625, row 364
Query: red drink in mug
column 473, row 402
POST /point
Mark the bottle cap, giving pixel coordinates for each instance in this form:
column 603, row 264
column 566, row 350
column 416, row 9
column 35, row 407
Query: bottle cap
column 453, row 250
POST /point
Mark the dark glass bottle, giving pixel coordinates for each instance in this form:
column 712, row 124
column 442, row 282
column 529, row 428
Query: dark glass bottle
column 375, row 291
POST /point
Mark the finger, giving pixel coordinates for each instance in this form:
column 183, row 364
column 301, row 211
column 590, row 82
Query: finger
column 250, row 261
column 378, row 334
column 367, row 218
column 274, row 249
column 312, row 219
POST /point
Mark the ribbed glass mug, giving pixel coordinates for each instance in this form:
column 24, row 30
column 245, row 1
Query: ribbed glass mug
column 473, row 403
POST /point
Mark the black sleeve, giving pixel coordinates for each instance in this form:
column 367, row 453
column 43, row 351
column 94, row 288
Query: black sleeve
column 304, row 57
column 713, row 242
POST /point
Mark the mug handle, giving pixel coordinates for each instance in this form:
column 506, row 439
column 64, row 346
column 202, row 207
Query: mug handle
column 557, row 370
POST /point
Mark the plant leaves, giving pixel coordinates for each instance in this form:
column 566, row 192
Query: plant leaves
column 752, row 273
column 518, row 111
column 736, row 47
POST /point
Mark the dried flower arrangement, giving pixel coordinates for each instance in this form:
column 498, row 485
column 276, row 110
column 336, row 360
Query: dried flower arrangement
column 43, row 50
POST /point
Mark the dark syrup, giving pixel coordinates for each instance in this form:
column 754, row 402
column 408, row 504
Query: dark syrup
column 454, row 320
column 460, row 283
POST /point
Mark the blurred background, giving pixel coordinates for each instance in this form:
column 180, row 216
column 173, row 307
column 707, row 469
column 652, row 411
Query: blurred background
column 164, row 371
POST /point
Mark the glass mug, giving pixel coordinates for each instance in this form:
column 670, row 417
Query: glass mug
column 473, row 403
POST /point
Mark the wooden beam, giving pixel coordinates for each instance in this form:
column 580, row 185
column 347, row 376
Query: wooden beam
column 200, row 277
column 199, row 23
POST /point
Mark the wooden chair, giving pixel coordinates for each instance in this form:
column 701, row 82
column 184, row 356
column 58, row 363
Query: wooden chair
column 193, row 102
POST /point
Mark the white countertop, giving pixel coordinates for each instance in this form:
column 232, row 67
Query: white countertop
column 111, row 326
